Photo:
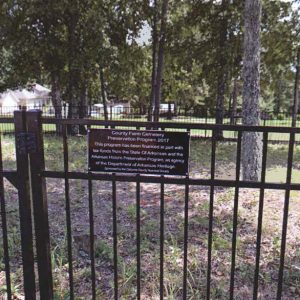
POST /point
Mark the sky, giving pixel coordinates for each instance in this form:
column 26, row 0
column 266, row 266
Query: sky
column 145, row 35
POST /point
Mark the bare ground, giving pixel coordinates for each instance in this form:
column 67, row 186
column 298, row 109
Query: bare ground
column 173, row 246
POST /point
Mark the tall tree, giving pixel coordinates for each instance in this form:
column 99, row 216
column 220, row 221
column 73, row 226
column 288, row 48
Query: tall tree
column 233, row 104
column 103, row 93
column 160, row 58
column 252, row 142
column 222, row 66
column 279, row 43
column 37, row 46
column 296, row 43
column 154, row 61
column 47, row 17
column 296, row 89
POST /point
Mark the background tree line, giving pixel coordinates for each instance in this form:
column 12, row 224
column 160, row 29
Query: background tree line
column 86, row 50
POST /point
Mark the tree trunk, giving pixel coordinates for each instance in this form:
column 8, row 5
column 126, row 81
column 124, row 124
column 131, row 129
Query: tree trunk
column 233, row 107
column 252, row 141
column 154, row 64
column 222, row 72
column 73, row 77
column 82, row 109
column 56, row 99
column 220, row 102
column 75, row 100
column 73, row 109
column 296, row 90
column 103, row 94
column 278, row 95
column 160, row 62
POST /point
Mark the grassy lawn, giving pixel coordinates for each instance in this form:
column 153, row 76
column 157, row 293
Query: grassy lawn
column 174, row 207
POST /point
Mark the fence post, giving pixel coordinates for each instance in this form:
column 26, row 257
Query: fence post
column 24, row 204
column 40, row 206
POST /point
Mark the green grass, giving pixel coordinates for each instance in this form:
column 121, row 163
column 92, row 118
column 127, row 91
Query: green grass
column 103, row 251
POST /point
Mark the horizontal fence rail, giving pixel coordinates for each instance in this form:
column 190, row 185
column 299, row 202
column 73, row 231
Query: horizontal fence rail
column 124, row 109
column 66, row 174
column 171, row 125
column 172, row 180
column 125, row 113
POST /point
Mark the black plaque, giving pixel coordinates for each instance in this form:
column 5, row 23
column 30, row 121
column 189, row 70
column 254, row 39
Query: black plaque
column 138, row 151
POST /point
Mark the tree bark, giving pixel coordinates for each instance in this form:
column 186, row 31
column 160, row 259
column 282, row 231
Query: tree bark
column 233, row 108
column 82, row 109
column 73, row 76
column 160, row 62
column 222, row 73
column 154, row 64
column 252, row 141
column 296, row 90
column 73, row 109
column 56, row 99
column 278, row 95
column 103, row 94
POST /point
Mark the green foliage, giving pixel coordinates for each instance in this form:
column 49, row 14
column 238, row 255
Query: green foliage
column 70, row 41
column 103, row 251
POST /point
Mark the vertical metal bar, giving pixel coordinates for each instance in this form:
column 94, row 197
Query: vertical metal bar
column 25, row 208
column 68, row 212
column 92, row 231
column 4, row 229
column 185, row 245
column 260, row 214
column 235, row 214
column 162, row 237
column 211, row 214
column 115, row 240
column 40, row 206
column 138, row 237
column 285, row 214
column 92, row 237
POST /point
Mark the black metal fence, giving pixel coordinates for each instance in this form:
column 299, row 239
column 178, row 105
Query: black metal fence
column 30, row 180
column 123, row 113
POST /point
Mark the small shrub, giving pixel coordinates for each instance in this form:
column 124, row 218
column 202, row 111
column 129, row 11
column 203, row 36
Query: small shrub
column 103, row 251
